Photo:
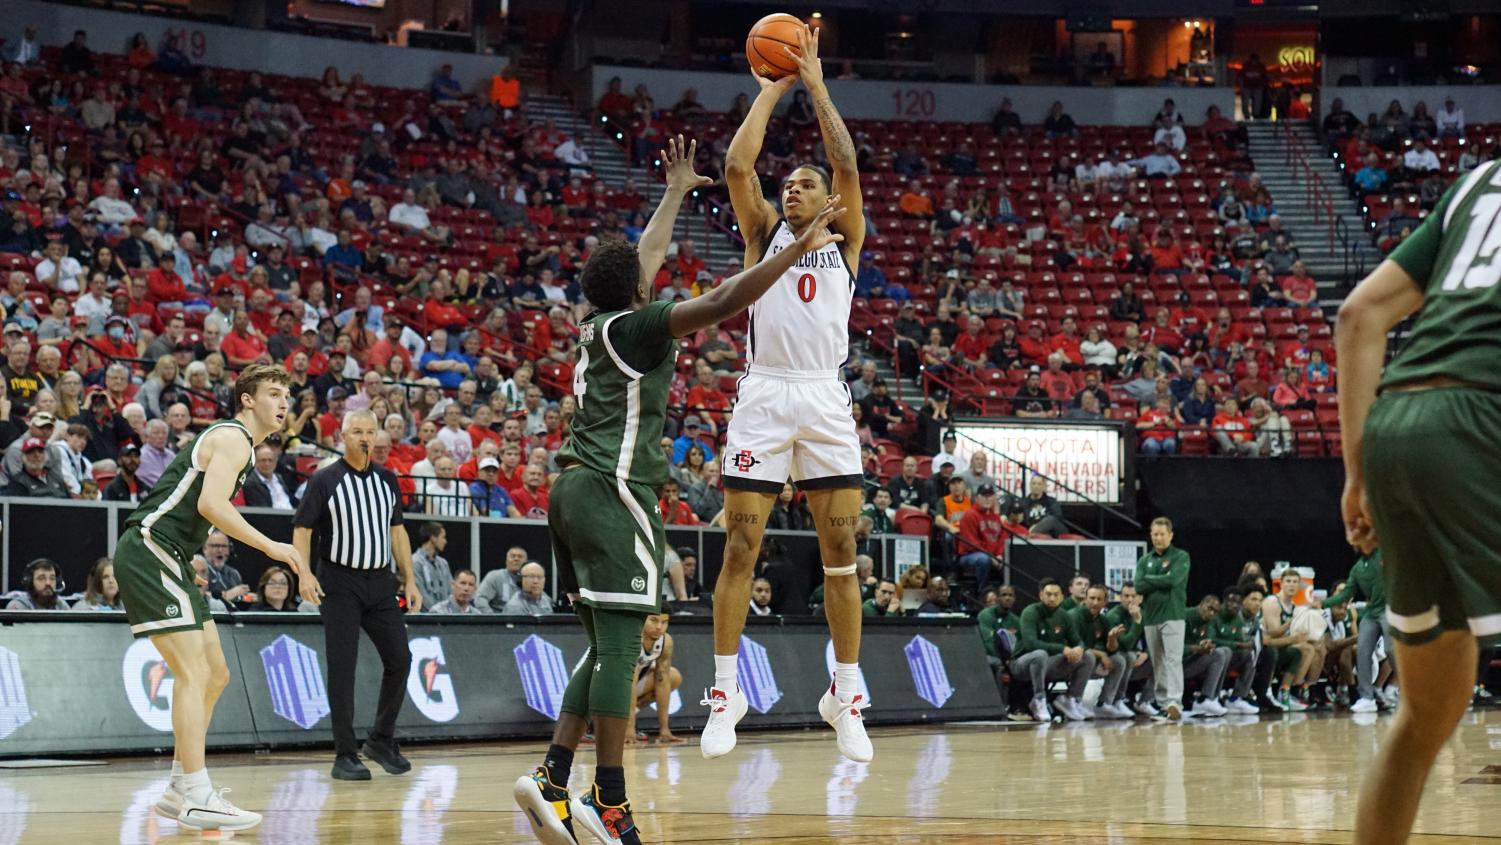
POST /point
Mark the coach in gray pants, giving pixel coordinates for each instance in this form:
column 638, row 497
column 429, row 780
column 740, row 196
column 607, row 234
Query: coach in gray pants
column 1162, row 580
column 1367, row 582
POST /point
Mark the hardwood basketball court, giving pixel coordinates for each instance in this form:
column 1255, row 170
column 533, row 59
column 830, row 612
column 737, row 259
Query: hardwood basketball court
column 1289, row 779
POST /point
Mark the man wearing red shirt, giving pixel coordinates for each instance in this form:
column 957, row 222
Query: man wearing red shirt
column 388, row 347
column 1300, row 288
column 674, row 510
column 614, row 104
column 1033, row 348
column 705, row 394
column 1067, row 342
column 163, row 284
column 262, row 318
column 243, row 345
column 628, row 198
column 140, row 311
column 122, row 347
column 973, row 344
column 1225, row 332
column 480, row 430
column 317, row 362
column 1157, row 429
column 1253, row 385
column 511, row 467
column 1166, row 254
column 688, row 261
column 155, row 163
column 1162, row 335
column 981, row 544
column 331, row 422
column 178, row 124
column 1233, row 431
column 531, row 496
column 469, row 470
column 436, row 309
column 1058, row 384
column 1187, row 318
column 1295, row 353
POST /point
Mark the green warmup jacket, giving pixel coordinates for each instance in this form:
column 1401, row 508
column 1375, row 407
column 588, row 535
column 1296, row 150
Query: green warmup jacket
column 1366, row 582
column 991, row 620
column 1094, row 631
column 1162, row 580
column 1130, row 639
column 1050, row 630
column 1228, row 630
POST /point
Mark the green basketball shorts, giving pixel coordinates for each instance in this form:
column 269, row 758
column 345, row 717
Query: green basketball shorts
column 157, row 587
column 1433, row 477
column 608, row 538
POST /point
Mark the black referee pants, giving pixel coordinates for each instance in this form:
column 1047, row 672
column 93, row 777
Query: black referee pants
column 355, row 599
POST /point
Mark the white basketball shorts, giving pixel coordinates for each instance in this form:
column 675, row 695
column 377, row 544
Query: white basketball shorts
column 791, row 424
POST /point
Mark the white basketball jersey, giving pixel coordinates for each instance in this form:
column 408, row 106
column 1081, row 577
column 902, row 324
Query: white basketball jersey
column 802, row 323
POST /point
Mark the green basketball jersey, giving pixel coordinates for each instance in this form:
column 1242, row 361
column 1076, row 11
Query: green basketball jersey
column 621, row 379
column 1455, row 255
column 170, row 511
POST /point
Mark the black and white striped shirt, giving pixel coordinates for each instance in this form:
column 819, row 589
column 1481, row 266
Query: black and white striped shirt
column 351, row 514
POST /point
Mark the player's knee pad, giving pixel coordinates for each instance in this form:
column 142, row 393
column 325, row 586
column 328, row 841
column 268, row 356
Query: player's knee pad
column 839, row 570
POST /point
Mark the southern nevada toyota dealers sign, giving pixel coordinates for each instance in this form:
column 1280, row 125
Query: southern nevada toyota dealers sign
column 1087, row 460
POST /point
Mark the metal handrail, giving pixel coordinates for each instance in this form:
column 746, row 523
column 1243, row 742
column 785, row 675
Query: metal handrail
column 1317, row 196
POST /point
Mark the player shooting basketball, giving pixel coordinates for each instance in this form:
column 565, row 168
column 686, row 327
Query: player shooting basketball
column 792, row 418
column 606, row 528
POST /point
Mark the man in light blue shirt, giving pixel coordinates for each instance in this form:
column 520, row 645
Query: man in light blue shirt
column 1159, row 164
column 374, row 314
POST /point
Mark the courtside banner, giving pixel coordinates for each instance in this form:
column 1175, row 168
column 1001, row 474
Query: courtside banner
column 82, row 685
column 1089, row 460
column 88, row 687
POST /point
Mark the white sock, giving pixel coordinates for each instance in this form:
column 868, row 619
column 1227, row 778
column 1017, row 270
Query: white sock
column 846, row 681
column 176, row 772
column 726, row 667
column 196, row 785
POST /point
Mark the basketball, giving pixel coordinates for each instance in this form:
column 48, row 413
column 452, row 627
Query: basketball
column 764, row 46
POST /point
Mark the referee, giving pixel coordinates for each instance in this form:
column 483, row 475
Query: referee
column 352, row 509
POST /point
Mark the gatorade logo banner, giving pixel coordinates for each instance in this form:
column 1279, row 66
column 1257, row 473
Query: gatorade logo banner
column 428, row 682
column 148, row 685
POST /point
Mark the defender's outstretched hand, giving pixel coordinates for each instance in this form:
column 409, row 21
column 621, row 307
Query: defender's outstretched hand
column 817, row 235
column 677, row 163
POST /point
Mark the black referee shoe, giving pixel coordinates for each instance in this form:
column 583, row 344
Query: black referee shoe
column 349, row 767
column 387, row 754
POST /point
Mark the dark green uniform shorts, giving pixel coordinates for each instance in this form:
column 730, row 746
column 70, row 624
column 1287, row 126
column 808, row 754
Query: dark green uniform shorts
column 157, row 587
column 608, row 538
column 1433, row 478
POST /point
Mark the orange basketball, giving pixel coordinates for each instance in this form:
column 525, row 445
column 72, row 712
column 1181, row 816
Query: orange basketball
column 765, row 46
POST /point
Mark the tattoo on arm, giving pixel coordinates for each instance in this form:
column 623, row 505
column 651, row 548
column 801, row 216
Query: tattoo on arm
column 841, row 521
column 747, row 518
column 836, row 137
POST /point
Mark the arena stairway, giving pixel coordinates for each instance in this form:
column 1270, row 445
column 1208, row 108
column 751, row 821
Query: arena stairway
column 1269, row 150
